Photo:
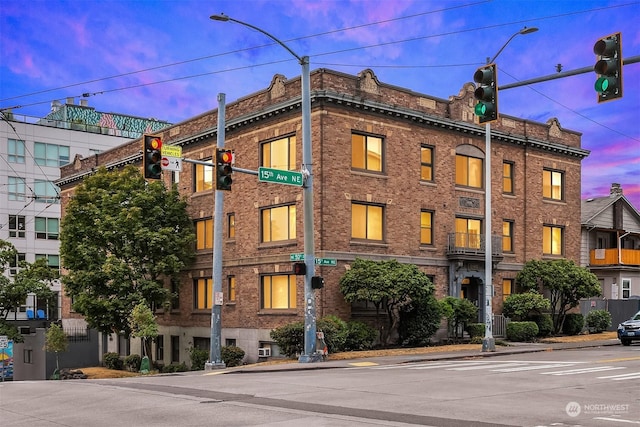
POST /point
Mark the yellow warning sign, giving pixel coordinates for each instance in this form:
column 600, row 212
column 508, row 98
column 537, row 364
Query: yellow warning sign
column 171, row 151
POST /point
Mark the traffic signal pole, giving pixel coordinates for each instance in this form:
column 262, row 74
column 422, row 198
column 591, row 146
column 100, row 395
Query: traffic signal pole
column 563, row 74
column 215, row 357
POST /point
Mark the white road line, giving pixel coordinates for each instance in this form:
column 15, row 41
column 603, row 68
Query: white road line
column 629, row 376
column 449, row 365
column 618, row 420
column 583, row 370
column 472, row 368
column 530, row 367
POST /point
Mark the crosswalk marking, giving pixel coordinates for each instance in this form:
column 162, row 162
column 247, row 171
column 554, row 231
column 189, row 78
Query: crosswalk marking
column 583, row 370
column 561, row 368
column 487, row 366
column 531, row 367
column 621, row 377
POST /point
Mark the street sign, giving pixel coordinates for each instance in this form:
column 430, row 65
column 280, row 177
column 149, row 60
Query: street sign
column 171, row 151
column 317, row 261
column 169, row 163
column 296, row 257
column 4, row 341
column 280, row 176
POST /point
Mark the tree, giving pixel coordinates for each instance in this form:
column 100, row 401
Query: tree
column 565, row 282
column 458, row 312
column 523, row 306
column 56, row 341
column 389, row 285
column 31, row 278
column 121, row 239
column 143, row 325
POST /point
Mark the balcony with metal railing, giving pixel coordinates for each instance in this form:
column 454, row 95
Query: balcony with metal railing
column 472, row 246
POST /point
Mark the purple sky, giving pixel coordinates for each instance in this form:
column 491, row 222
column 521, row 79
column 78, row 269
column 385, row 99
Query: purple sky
column 166, row 59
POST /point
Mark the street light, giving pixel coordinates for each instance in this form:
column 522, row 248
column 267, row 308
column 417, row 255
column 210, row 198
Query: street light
column 309, row 354
column 488, row 342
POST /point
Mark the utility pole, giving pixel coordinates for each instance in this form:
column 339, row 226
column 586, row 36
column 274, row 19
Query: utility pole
column 215, row 357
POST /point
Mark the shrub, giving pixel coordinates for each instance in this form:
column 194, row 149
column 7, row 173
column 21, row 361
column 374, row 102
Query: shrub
column 182, row 367
column 290, row 338
column 573, row 323
column 545, row 324
column 112, row 361
column 458, row 312
column 420, row 323
column 132, row 362
column 360, row 336
column 524, row 306
column 338, row 335
column 198, row 358
column 475, row 330
column 335, row 332
column 598, row 320
column 232, row 355
column 521, row 331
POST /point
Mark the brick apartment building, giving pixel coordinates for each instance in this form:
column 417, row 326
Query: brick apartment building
column 397, row 175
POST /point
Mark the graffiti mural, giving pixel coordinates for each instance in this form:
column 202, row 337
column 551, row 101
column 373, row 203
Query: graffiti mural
column 6, row 362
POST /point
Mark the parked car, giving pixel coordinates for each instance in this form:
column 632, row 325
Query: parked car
column 629, row 330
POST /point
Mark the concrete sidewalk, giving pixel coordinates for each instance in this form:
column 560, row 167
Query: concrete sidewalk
column 512, row 348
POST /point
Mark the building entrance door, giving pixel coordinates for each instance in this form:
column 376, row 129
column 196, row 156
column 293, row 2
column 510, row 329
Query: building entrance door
column 471, row 289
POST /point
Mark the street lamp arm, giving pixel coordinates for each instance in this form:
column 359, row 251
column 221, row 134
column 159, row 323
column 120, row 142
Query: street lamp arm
column 525, row 30
column 224, row 18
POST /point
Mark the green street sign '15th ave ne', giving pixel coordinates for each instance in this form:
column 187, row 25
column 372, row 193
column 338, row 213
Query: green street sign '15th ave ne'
column 317, row 261
column 280, row 176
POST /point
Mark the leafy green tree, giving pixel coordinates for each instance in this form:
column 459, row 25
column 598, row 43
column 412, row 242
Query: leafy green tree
column 523, row 306
column 565, row 282
column 56, row 341
column 389, row 285
column 31, row 278
column 143, row 325
column 458, row 312
column 120, row 239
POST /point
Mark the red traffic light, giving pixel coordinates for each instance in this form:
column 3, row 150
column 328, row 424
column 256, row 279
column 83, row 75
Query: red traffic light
column 151, row 156
column 156, row 143
column 226, row 157
column 299, row 268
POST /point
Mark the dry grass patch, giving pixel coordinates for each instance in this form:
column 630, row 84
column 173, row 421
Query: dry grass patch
column 100, row 372
column 612, row 335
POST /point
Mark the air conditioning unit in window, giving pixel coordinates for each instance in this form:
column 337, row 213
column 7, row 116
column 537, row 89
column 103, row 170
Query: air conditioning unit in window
column 264, row 352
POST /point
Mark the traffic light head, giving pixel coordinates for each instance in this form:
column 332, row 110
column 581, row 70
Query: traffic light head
column 608, row 67
column 299, row 268
column 486, row 93
column 224, row 169
column 152, row 156
column 317, row 282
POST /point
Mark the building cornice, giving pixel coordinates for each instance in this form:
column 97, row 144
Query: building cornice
column 357, row 103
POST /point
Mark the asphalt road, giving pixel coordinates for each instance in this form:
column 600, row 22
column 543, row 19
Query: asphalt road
column 595, row 386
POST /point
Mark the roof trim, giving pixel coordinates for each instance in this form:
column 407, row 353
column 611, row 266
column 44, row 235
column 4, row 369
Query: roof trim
column 357, row 103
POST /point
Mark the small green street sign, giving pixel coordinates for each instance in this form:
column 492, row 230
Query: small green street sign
column 326, row 261
column 280, row 176
column 317, row 261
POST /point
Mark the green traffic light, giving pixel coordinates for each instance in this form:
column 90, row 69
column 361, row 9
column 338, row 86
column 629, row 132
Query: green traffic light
column 481, row 109
column 605, row 84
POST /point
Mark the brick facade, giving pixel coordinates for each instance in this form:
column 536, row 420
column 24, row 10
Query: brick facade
column 341, row 105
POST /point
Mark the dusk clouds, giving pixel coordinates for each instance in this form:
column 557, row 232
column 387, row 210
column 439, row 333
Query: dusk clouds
column 168, row 60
